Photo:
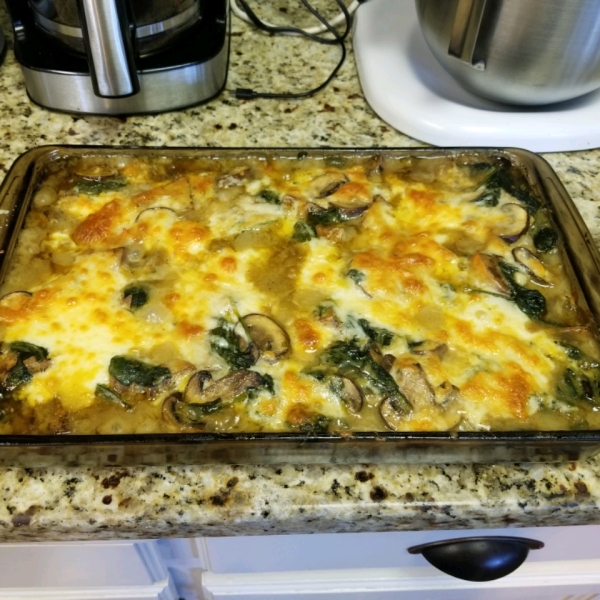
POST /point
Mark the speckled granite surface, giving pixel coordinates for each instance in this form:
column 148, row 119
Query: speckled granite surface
column 63, row 504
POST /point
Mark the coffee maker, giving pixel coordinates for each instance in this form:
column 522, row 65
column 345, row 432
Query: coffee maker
column 119, row 57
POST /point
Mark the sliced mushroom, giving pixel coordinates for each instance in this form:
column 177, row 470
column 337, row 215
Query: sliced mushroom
column 178, row 413
column 156, row 212
column 447, row 397
column 487, row 275
column 374, row 165
column 168, row 409
column 35, row 365
column 195, row 386
column 353, row 205
column 135, row 296
column 62, row 259
column 428, row 347
column 532, row 264
column 225, row 389
column 270, row 338
column 233, row 179
column 445, row 394
column 513, row 222
column 133, row 255
column 109, row 395
column 394, row 411
column 319, row 216
column 386, row 361
column 327, row 184
column 440, row 404
column 348, row 392
column 95, row 171
column 415, row 386
column 15, row 300
column 45, row 196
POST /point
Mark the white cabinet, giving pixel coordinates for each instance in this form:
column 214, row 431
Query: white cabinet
column 119, row 570
column 369, row 566
column 361, row 566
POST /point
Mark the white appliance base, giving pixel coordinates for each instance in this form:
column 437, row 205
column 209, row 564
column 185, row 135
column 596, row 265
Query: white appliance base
column 409, row 89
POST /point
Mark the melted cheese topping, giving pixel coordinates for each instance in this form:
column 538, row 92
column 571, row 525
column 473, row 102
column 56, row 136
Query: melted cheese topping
column 396, row 294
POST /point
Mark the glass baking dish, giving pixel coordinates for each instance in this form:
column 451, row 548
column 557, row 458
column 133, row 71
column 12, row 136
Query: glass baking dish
column 583, row 262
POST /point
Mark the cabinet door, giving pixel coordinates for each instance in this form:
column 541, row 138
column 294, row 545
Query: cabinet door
column 561, row 581
column 277, row 553
column 378, row 566
column 103, row 570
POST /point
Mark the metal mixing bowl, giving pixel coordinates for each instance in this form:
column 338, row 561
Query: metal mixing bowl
column 529, row 52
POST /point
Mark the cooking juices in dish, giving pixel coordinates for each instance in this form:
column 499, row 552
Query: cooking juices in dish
column 292, row 294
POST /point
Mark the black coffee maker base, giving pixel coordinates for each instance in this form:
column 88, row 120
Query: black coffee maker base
column 189, row 72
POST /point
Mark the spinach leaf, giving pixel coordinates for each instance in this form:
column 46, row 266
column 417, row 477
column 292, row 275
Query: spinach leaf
column 93, row 187
column 319, row 424
column 479, row 167
column 545, row 239
column 380, row 336
column 348, row 357
column 104, row 392
column 502, row 179
column 19, row 373
column 270, row 197
column 531, row 302
column 193, row 413
column 128, row 371
column 25, row 350
column 580, row 381
column 227, row 344
column 357, row 276
column 330, row 216
column 138, row 294
column 488, row 198
column 303, row 232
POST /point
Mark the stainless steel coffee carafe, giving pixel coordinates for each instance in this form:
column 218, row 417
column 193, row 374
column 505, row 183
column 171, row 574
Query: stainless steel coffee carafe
column 113, row 32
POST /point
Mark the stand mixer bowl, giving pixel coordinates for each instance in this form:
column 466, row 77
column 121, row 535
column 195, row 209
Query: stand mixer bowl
column 522, row 52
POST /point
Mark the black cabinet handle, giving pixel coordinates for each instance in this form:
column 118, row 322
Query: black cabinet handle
column 478, row 558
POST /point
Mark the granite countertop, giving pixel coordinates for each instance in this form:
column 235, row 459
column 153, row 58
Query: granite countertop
column 103, row 503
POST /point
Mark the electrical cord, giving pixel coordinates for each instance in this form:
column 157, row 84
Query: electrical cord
column 334, row 38
column 339, row 18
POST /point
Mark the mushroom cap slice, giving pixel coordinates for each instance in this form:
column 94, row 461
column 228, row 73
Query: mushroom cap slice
column 447, row 397
column 513, row 222
column 416, row 387
column 486, row 274
column 94, row 171
column 157, row 212
column 270, row 338
column 194, row 390
column 225, row 389
column 386, row 361
column 348, row 392
column 429, row 347
column 15, row 300
column 393, row 411
column 233, row 179
column 532, row 264
column 177, row 412
column 326, row 184
column 446, row 393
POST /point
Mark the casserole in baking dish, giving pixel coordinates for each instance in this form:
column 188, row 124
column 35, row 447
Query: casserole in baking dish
column 311, row 293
